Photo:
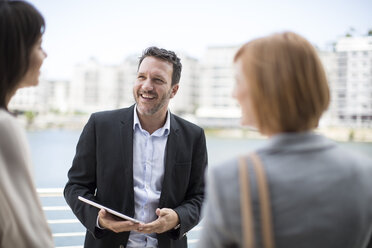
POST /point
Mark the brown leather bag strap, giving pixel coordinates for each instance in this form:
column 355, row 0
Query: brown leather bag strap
column 265, row 205
column 246, row 205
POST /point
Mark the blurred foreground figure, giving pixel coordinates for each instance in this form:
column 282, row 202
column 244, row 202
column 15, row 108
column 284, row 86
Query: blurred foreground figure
column 319, row 195
column 22, row 221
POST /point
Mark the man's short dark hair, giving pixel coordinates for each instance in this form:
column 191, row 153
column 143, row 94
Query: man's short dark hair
column 165, row 55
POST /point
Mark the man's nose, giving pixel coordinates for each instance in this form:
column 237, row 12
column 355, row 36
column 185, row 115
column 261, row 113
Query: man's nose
column 147, row 85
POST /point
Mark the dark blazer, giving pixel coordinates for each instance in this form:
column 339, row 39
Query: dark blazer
column 102, row 171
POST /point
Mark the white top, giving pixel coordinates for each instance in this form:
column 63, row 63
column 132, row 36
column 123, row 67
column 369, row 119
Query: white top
column 22, row 219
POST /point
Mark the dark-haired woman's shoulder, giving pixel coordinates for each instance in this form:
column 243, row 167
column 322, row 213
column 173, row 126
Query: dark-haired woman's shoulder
column 13, row 139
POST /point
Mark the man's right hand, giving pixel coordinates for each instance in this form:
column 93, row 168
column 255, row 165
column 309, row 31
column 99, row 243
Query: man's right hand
column 106, row 220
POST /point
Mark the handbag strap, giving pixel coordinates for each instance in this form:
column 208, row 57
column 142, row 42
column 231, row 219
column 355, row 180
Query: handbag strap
column 246, row 203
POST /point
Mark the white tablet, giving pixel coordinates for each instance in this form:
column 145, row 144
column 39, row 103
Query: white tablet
column 123, row 216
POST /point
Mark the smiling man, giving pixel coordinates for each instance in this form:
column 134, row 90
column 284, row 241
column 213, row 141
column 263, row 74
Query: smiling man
column 142, row 161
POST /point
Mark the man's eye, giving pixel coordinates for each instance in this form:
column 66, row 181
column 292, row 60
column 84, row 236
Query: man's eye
column 140, row 77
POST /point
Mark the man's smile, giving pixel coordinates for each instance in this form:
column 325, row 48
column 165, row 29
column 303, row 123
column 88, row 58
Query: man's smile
column 147, row 96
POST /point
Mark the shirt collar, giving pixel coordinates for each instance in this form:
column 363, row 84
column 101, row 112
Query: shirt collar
column 163, row 131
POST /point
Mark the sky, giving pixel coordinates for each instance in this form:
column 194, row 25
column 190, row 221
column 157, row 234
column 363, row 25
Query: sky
column 111, row 30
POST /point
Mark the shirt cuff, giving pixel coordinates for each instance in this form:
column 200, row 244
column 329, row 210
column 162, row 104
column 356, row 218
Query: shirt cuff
column 176, row 227
column 97, row 224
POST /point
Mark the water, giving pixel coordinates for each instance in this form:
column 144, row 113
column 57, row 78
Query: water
column 52, row 153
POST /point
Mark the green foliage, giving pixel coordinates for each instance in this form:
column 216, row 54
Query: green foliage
column 351, row 135
column 30, row 117
column 77, row 112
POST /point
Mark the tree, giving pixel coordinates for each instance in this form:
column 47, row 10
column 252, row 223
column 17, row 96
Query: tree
column 30, row 117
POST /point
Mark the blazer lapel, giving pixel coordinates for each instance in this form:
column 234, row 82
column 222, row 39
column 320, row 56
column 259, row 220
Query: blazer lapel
column 170, row 159
column 126, row 146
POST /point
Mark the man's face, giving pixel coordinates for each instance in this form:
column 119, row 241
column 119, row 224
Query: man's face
column 152, row 89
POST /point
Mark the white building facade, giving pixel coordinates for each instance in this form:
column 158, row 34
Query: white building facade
column 186, row 100
column 216, row 106
column 94, row 87
column 49, row 95
column 329, row 61
column 354, row 81
column 206, row 87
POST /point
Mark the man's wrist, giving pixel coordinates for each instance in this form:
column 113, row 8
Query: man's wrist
column 97, row 224
column 178, row 221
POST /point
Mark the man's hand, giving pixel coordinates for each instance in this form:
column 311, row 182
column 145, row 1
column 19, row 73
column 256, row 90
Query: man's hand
column 167, row 219
column 108, row 221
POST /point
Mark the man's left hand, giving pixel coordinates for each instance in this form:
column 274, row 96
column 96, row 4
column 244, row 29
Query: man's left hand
column 167, row 219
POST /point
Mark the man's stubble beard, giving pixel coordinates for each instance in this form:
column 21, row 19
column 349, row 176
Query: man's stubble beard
column 155, row 108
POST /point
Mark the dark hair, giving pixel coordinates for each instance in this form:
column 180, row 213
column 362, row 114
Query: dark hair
column 21, row 25
column 165, row 55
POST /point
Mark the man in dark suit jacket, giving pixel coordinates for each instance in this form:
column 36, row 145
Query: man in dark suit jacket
column 112, row 166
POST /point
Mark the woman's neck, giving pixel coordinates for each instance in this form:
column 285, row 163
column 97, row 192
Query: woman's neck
column 8, row 97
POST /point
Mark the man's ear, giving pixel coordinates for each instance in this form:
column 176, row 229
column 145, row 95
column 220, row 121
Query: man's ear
column 174, row 90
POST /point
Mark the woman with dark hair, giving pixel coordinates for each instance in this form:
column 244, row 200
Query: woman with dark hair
column 22, row 221
column 300, row 189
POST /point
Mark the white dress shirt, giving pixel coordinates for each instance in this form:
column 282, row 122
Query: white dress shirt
column 148, row 172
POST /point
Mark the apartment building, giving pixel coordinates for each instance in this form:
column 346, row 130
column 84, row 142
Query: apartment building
column 206, row 87
column 354, row 81
column 329, row 61
column 186, row 100
column 216, row 106
column 31, row 98
column 94, row 87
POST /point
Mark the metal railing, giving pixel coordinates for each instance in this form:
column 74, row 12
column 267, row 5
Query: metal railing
column 67, row 231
